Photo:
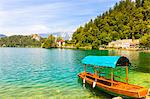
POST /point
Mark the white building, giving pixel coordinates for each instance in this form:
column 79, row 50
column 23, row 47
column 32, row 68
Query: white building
column 125, row 43
column 61, row 43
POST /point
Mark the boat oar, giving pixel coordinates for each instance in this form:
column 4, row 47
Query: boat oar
column 94, row 83
column 84, row 80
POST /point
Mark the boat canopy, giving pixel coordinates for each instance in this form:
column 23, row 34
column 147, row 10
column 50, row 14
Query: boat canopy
column 106, row 61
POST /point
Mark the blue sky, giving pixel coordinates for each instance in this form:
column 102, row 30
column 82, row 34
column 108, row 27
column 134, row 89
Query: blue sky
column 24, row 17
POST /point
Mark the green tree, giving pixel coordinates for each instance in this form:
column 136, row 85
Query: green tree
column 127, row 20
column 138, row 3
column 20, row 41
column 50, row 42
column 59, row 38
column 145, row 40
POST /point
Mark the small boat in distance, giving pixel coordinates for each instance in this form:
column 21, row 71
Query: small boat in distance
column 111, row 85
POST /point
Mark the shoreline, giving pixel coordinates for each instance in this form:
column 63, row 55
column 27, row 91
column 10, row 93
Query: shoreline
column 128, row 49
column 88, row 48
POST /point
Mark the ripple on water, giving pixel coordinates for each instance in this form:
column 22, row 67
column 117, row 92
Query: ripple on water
column 43, row 73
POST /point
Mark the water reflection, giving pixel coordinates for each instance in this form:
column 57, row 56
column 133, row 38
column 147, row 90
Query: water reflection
column 140, row 60
column 144, row 62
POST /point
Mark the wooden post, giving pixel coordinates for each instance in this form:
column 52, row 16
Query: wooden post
column 126, row 72
column 95, row 71
column 84, row 68
column 95, row 74
column 84, row 79
column 112, row 76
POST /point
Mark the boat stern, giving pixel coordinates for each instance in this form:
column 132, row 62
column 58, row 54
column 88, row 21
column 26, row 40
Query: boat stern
column 143, row 92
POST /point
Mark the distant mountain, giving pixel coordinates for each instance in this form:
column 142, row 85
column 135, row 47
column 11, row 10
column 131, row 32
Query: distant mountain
column 2, row 35
column 65, row 36
column 44, row 35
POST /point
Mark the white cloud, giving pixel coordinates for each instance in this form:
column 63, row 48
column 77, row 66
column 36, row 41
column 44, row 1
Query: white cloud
column 26, row 17
column 39, row 28
column 21, row 30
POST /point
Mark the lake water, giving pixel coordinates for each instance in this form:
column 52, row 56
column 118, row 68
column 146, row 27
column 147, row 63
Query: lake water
column 52, row 73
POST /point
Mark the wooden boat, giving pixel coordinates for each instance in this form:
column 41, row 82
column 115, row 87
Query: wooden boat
column 111, row 86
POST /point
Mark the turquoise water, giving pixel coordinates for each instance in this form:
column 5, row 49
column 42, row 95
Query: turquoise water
column 52, row 73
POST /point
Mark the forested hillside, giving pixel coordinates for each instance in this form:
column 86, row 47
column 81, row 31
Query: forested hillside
column 126, row 20
column 20, row 41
